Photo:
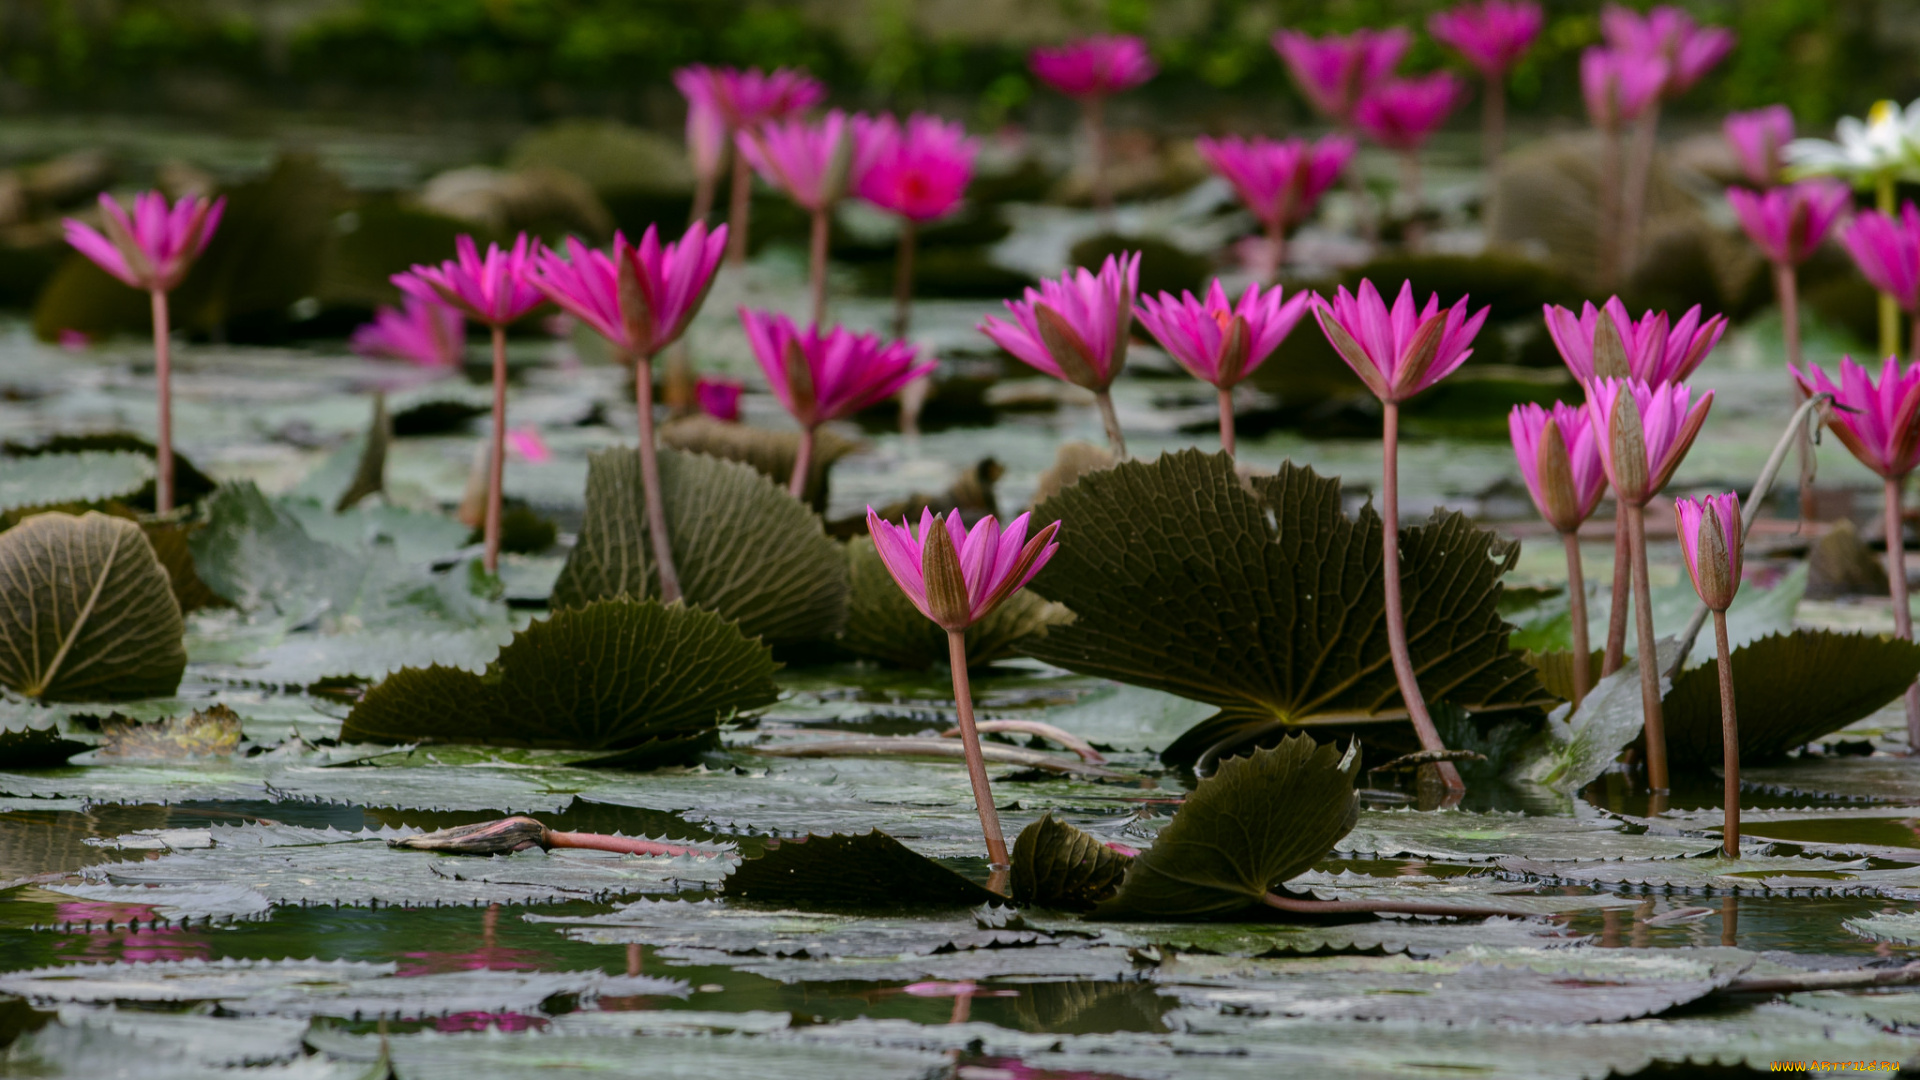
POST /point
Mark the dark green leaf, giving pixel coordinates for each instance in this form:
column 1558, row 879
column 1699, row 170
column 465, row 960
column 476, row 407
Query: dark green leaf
column 743, row 547
column 1058, row 866
column 370, row 472
column 872, row 870
column 616, row 674
column 86, row 611
column 90, row 476
column 771, row 453
column 884, row 624
column 1268, row 604
column 1255, row 823
column 1788, row 690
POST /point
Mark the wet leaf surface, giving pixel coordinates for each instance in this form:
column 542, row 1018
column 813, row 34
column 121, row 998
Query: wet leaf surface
column 1468, row 837
column 871, row 871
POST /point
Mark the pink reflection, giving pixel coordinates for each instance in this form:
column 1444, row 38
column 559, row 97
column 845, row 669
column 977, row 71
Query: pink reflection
column 124, row 932
column 483, row 1021
column 488, row 957
column 998, row 1068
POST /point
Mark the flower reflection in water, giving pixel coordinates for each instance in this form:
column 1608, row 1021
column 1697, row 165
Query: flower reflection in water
column 103, row 933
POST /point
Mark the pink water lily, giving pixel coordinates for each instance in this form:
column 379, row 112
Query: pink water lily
column 1642, row 447
column 1400, row 114
column 1886, row 248
column 1095, row 66
column 1656, row 350
column 1690, row 50
column 825, row 375
column 956, row 577
column 493, row 290
column 527, row 444
column 1076, row 329
column 806, row 159
column 1710, row 542
column 1491, row 34
column 1789, row 222
column 1619, row 87
column 666, row 284
column 1401, row 352
column 745, row 97
column 1279, row 180
column 1560, row 461
column 719, row 398
column 1757, row 138
column 420, row 331
column 707, row 126
column 1335, row 71
column 918, row 170
column 153, row 247
column 1219, row 341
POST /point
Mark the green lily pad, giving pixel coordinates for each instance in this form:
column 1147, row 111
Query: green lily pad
column 87, row 1051
column 1477, row 890
column 672, row 927
column 1750, row 874
column 743, row 548
column 1576, row 746
column 1880, row 778
column 1461, row 836
column 770, row 453
column 1891, row 1008
column 615, row 675
column 87, row 612
column 1267, row 603
column 869, row 871
column 414, row 536
column 1058, row 866
column 1899, row 927
column 1788, row 690
column 1756, row 613
column 1255, row 823
column 56, row 479
column 1412, row 937
column 32, row 737
column 882, row 623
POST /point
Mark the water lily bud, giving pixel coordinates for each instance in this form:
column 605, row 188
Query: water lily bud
column 1710, row 537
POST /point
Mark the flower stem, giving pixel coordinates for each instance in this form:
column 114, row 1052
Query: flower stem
column 1609, row 180
column 1277, row 244
column 1577, row 605
column 1226, row 419
column 1902, row 613
column 1649, row 654
column 496, row 468
column 1115, row 440
column 702, row 199
column 1094, row 108
column 1889, row 307
column 1493, row 123
column 976, row 764
column 903, row 280
column 1639, row 172
column 650, row 476
column 1786, row 290
column 1350, row 907
column 1617, row 614
column 817, row 264
column 1412, row 186
column 741, row 196
column 628, row 845
column 802, row 463
column 1396, row 616
column 1730, row 740
column 163, row 377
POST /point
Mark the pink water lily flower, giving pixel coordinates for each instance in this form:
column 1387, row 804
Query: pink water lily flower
column 1878, row 421
column 1399, row 114
column 1336, row 70
column 747, row 97
column 1560, row 460
column 527, row 445
column 825, row 375
column 719, row 398
column 1887, row 251
column 993, row 564
column 1757, row 138
column 152, row 248
column 1217, row 340
column 493, row 290
column 421, row 331
column 1095, row 66
column 807, row 159
column 666, row 284
column 1642, row 446
column 919, row 171
column 1279, row 180
column 1789, row 222
column 1657, row 351
column 1491, row 34
column 1710, row 540
column 707, row 126
column 1401, row 352
column 1619, row 86
column 1076, row 327
column 1690, row 50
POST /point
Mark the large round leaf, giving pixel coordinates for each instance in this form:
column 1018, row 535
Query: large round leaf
column 87, row 613
column 884, row 624
column 742, row 546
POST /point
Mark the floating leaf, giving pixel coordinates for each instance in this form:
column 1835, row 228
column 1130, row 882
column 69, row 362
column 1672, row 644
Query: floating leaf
column 1575, row 747
column 1756, row 613
column 1268, row 604
column 742, row 546
column 614, row 675
column 370, row 471
column 86, row 612
column 1256, row 822
column 1789, row 689
column 56, row 479
column 872, row 870
column 1058, row 866
column 1899, row 927
column 1462, row 836
column 884, row 624
column 210, row 732
column 1751, row 873
column 165, row 1047
column 1880, row 778
column 1467, row 890
column 31, row 737
column 677, row 928
column 770, row 453
column 170, row 545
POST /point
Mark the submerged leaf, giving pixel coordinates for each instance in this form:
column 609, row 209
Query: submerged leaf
column 616, row 675
column 86, row 611
column 1268, row 604
column 1788, row 690
column 743, row 547
column 884, row 624
column 872, row 870
column 1058, row 866
column 1256, row 822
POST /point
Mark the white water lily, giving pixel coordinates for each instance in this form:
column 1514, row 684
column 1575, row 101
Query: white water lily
column 1887, row 143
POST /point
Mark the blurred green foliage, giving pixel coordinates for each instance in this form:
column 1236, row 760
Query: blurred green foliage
column 1823, row 57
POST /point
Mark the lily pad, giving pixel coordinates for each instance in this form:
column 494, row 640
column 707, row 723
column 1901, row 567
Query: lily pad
column 1756, row 613
column 882, row 623
column 86, row 1051
column 743, row 547
column 673, row 926
column 1880, row 778
column 1412, row 937
column 57, row 479
column 1788, row 689
column 1893, row 1008
column 1255, row 823
column 1461, row 836
column 32, row 737
column 1576, row 746
column 1475, row 890
column 87, row 612
column 614, row 675
column 1899, row 927
column 1267, row 603
column 1750, row 874
column 1058, row 866
column 870, row 871
column 770, row 453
